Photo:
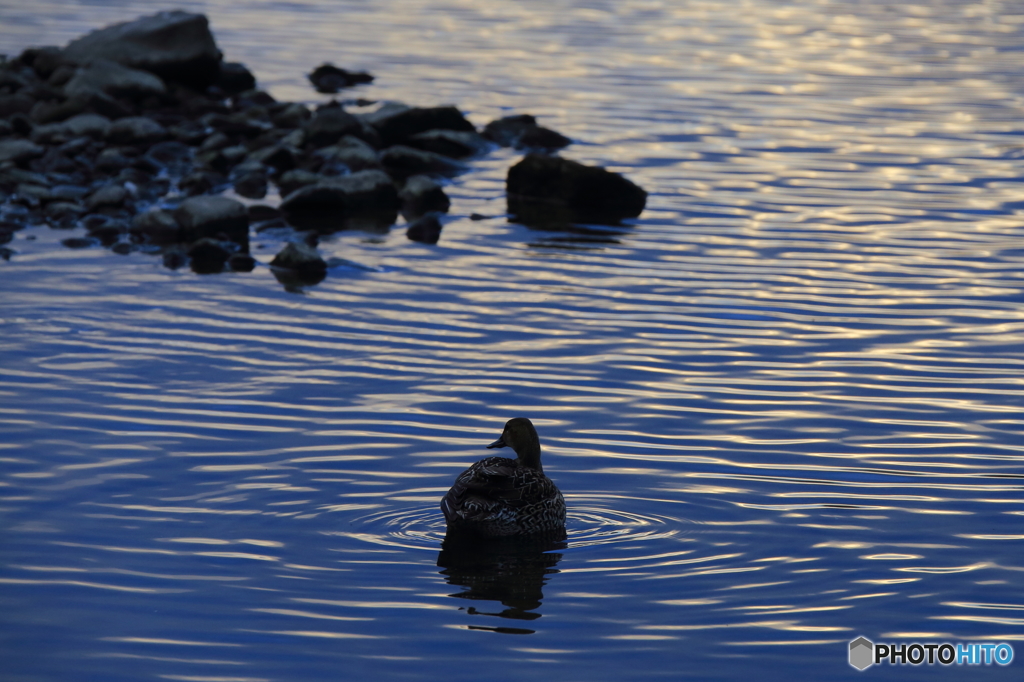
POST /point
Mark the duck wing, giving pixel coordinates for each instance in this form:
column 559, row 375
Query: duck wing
column 489, row 484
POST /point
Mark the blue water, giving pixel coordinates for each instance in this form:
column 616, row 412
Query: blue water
column 783, row 405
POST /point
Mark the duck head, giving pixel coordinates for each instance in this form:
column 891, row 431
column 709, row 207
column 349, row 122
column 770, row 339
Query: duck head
column 520, row 435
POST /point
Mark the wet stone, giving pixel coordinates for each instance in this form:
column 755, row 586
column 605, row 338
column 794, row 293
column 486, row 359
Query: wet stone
column 426, row 230
column 136, row 130
column 422, row 194
column 401, row 162
column 328, row 78
column 208, row 256
column 108, row 196
column 207, row 216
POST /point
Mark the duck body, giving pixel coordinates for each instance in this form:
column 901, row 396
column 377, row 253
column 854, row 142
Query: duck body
column 503, row 497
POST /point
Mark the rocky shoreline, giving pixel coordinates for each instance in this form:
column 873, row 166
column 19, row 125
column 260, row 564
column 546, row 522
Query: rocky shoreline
column 133, row 132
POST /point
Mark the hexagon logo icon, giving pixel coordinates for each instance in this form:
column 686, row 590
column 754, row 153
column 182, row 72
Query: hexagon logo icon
column 862, row 653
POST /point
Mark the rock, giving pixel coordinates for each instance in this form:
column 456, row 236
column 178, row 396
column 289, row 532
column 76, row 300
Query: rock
column 548, row 189
column 327, row 204
column 241, row 262
column 176, row 46
column 349, row 153
column 206, row 216
column 115, row 80
column 329, row 125
column 208, row 256
column 111, row 161
column 174, row 257
column 280, row 157
column 251, row 185
column 108, row 234
column 289, row 115
column 401, row 162
column 18, row 103
column 328, row 79
column 453, row 143
column 425, row 230
column 156, row 227
column 79, row 242
column 235, row 78
column 82, row 125
column 396, row 123
column 541, row 138
column 259, row 213
column 302, row 259
column 136, row 130
column 200, row 182
column 506, row 131
column 112, row 195
column 296, row 179
column 422, row 194
column 522, row 132
column 19, row 151
column 44, row 60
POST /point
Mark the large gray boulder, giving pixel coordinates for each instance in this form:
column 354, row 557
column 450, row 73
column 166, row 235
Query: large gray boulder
column 176, row 46
column 549, row 189
column 367, row 197
column 208, row 216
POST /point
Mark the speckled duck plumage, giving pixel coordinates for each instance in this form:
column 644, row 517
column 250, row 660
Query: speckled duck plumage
column 502, row 497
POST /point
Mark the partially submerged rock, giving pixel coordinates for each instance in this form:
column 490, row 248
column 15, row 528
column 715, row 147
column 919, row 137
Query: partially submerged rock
column 426, row 230
column 522, row 132
column 328, row 204
column 328, row 78
column 302, row 263
column 549, row 189
column 395, row 122
column 209, row 216
column 422, row 194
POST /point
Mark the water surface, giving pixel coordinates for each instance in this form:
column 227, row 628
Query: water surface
column 784, row 405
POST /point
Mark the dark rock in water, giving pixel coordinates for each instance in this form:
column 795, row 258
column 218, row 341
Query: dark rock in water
column 522, row 132
column 200, row 182
column 18, row 103
column 251, row 185
column 111, row 161
column 63, row 213
column 82, row 125
column 241, row 262
column 19, row 151
column 425, row 230
column 351, row 153
column 108, row 234
column 207, row 216
column 422, row 194
column 79, row 242
column 136, row 130
column 296, row 179
column 235, row 78
column 401, row 162
column 541, row 138
column 208, row 256
column 108, row 196
column 548, row 189
column 156, row 227
column 453, row 143
column 115, row 80
column 44, row 60
column 302, row 259
column 280, row 157
column 174, row 257
column 329, row 125
column 327, row 204
column 259, row 213
column 175, row 45
column 289, row 115
column 505, row 131
column 123, row 248
column 6, row 253
column 329, row 79
column 395, row 123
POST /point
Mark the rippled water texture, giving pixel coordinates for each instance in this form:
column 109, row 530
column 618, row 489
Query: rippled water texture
column 784, row 405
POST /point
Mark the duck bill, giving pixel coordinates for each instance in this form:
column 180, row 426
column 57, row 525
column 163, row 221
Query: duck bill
column 500, row 443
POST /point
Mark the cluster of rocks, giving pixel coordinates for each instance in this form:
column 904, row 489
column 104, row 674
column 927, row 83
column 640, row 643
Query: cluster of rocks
column 134, row 132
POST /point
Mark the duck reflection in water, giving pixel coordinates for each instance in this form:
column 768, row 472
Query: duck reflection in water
column 504, row 519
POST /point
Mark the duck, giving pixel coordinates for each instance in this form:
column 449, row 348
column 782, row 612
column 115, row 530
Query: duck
column 502, row 497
